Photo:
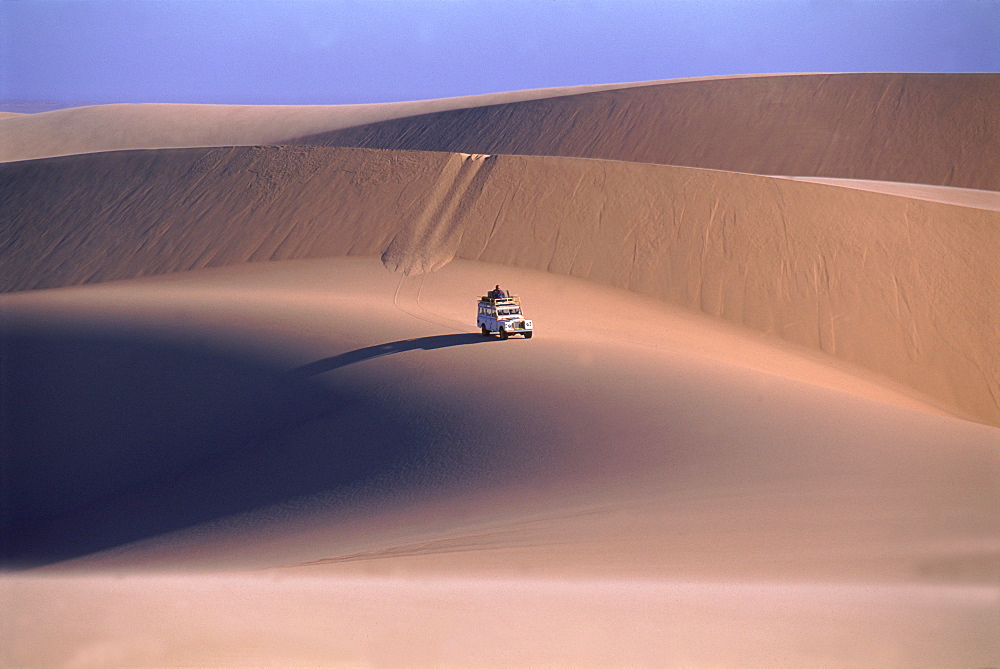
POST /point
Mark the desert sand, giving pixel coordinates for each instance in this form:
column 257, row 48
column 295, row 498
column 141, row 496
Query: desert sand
column 249, row 420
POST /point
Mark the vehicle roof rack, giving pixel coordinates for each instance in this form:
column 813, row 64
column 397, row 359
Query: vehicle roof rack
column 510, row 299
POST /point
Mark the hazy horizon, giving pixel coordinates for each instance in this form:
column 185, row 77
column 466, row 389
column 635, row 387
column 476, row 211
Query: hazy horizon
column 67, row 52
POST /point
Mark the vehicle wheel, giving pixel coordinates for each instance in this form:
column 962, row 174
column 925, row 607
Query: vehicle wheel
column 527, row 335
column 486, row 333
column 503, row 333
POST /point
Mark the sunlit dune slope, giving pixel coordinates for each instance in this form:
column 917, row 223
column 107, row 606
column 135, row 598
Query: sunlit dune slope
column 903, row 287
column 941, row 129
column 117, row 127
column 364, row 418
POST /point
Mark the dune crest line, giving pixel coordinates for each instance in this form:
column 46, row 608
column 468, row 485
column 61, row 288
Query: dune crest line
column 939, row 129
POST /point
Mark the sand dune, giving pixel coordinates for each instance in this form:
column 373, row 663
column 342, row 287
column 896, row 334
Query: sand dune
column 938, row 129
column 629, row 470
column 246, row 418
column 899, row 286
column 920, row 128
column 117, row 127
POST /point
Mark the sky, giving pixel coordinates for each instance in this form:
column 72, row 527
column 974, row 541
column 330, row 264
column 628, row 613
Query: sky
column 352, row 51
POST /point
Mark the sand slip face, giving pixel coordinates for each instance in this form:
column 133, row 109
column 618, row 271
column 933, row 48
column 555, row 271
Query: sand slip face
column 640, row 472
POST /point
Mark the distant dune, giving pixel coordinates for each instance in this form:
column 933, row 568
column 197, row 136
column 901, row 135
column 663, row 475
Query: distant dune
column 941, row 129
column 115, row 127
column 900, row 286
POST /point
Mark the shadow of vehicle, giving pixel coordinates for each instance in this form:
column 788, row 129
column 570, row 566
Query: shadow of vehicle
column 370, row 352
column 111, row 437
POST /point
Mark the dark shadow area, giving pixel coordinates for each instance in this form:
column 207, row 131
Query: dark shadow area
column 112, row 438
column 359, row 355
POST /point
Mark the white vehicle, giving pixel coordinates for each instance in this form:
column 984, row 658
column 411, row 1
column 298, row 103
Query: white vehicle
column 502, row 315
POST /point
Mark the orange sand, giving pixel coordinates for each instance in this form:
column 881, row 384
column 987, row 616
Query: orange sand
column 247, row 418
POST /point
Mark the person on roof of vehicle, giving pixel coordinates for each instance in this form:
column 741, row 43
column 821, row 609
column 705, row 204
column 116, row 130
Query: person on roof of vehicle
column 499, row 292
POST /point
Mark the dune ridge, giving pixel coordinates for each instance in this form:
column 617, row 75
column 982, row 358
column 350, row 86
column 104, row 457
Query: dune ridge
column 963, row 197
column 936, row 129
column 939, row 129
column 899, row 286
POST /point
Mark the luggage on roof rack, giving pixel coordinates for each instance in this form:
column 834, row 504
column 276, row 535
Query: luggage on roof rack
column 510, row 299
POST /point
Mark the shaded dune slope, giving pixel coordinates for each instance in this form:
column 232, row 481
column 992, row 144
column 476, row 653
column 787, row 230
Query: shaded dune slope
column 899, row 286
column 941, row 129
column 144, row 435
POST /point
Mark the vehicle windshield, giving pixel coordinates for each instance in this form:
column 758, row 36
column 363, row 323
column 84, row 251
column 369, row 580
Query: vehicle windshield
column 512, row 311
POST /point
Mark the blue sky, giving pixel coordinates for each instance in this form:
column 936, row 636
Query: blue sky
column 346, row 51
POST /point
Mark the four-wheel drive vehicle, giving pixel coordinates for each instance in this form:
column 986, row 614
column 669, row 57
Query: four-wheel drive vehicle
column 502, row 315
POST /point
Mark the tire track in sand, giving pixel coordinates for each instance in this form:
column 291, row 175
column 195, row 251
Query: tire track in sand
column 407, row 299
